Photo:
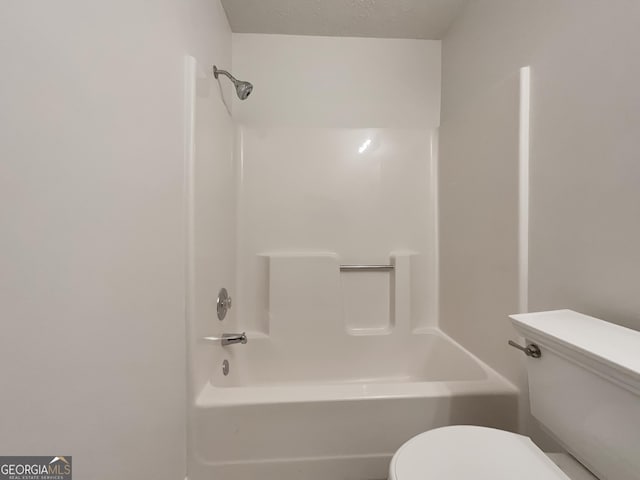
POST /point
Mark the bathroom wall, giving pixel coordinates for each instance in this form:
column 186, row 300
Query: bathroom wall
column 338, row 82
column 92, row 190
column 337, row 149
column 584, row 200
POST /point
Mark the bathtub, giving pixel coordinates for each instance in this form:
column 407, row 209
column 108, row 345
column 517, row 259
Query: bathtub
column 343, row 412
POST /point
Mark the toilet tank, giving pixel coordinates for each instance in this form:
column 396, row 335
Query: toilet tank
column 585, row 388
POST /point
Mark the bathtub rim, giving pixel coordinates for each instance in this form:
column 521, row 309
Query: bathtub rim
column 229, row 396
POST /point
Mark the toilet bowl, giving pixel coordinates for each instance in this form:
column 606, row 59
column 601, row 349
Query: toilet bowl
column 468, row 452
column 584, row 389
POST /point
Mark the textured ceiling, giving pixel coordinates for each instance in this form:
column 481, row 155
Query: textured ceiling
column 427, row 19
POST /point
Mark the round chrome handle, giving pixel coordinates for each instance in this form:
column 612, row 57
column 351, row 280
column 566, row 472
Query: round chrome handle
column 223, row 304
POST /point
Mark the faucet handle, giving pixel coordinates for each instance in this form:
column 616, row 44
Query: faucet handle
column 223, row 303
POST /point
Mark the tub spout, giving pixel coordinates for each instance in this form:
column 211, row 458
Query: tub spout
column 228, row 338
column 231, row 338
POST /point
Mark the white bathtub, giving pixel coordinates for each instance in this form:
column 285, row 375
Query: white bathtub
column 329, row 418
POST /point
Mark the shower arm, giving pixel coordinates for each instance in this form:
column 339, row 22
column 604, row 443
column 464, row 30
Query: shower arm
column 217, row 71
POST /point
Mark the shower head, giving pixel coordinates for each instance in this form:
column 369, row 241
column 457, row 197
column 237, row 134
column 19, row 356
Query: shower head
column 243, row 89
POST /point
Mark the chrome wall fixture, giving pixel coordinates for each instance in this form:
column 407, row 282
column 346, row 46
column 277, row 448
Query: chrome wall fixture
column 229, row 339
column 243, row 89
column 223, row 303
column 233, row 338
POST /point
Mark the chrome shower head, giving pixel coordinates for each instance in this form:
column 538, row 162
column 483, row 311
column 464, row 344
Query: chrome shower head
column 243, row 89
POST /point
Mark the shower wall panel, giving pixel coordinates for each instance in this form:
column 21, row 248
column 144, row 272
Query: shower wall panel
column 360, row 194
column 337, row 151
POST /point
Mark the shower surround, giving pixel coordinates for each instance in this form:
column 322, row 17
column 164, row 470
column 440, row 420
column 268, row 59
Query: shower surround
column 336, row 156
column 362, row 195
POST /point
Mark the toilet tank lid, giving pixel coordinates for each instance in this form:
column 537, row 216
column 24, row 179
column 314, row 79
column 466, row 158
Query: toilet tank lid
column 600, row 342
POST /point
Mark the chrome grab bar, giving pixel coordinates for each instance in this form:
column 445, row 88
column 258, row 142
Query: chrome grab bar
column 360, row 268
column 229, row 338
column 531, row 350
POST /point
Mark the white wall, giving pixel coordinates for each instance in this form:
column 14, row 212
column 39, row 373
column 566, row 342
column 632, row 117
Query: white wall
column 585, row 200
column 304, row 184
column 92, row 351
column 338, row 82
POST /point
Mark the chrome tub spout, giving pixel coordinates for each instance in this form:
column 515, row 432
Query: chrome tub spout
column 228, row 338
column 231, row 338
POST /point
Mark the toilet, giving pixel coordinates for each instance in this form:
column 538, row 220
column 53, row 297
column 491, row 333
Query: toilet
column 584, row 390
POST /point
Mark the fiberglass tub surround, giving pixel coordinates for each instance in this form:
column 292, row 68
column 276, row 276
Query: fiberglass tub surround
column 343, row 364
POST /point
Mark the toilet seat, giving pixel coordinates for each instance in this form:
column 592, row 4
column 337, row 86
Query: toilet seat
column 467, row 452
